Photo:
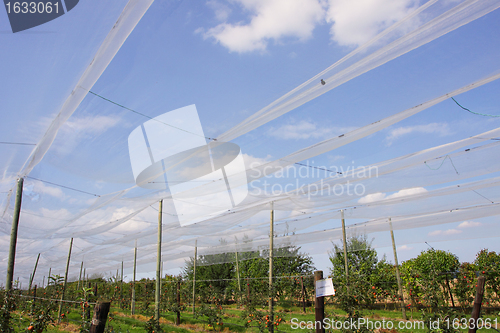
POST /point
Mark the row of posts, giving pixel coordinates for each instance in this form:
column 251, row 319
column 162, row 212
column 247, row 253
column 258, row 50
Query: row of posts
column 103, row 308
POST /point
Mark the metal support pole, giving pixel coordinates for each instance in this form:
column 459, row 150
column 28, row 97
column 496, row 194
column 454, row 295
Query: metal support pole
column 34, row 271
column 271, row 247
column 132, row 304
column 121, row 287
column 158, row 264
column 80, row 276
column 194, row 274
column 65, row 282
column 13, row 235
column 398, row 276
column 344, row 239
column 238, row 275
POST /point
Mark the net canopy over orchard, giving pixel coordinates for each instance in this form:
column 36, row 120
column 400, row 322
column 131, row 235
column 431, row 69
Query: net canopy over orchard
column 392, row 123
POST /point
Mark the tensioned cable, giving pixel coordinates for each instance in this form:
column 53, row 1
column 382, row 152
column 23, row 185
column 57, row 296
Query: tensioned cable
column 447, row 156
column 144, row 115
column 17, row 143
column 479, row 114
column 67, row 187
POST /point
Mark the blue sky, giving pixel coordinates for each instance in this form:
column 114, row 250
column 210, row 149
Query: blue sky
column 231, row 59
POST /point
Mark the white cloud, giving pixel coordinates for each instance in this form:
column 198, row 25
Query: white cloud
column 382, row 196
column 442, row 129
column 407, row 192
column 405, row 248
column 306, row 130
column 445, row 232
column 252, row 162
column 356, row 22
column 469, row 224
column 372, row 198
column 270, row 20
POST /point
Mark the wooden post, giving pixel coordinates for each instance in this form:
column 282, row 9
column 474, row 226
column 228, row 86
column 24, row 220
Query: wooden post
column 344, row 240
column 95, row 290
column 132, row 304
column 13, row 235
column 398, row 276
column 85, row 279
column 43, row 282
column 48, row 279
column 99, row 318
column 194, row 274
column 34, row 271
column 178, row 319
column 303, row 294
column 34, row 294
column 80, row 277
column 476, row 309
column 271, row 247
column 319, row 305
column 65, row 282
column 158, row 264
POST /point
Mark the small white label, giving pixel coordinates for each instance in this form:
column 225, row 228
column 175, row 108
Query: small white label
column 324, row 288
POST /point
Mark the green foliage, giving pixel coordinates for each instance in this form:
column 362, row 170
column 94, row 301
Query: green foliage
column 218, row 272
column 488, row 264
column 425, row 279
column 362, row 269
column 40, row 315
column 85, row 314
column 463, row 286
column 212, row 312
column 153, row 325
column 384, row 282
column 8, row 305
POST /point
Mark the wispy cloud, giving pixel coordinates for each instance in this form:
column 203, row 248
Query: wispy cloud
column 221, row 10
column 445, row 232
column 469, row 224
column 405, row 248
column 441, row 129
column 269, row 20
column 305, row 129
column 79, row 129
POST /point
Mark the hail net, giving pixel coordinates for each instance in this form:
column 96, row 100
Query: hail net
column 79, row 182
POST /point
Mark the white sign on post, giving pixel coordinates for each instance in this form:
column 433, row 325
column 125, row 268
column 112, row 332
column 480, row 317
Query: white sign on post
column 324, row 288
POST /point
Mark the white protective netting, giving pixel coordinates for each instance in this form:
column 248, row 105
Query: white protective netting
column 79, row 181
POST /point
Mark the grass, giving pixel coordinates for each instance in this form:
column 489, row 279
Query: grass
column 122, row 321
